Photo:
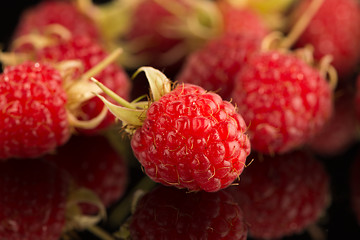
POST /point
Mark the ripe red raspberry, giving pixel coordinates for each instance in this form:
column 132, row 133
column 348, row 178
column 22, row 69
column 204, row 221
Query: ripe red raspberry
column 168, row 213
column 335, row 34
column 242, row 20
column 33, row 119
column 283, row 100
column 282, row 195
column 215, row 66
column 90, row 53
column 93, row 164
column 187, row 137
column 64, row 13
column 340, row 131
column 33, row 200
column 192, row 139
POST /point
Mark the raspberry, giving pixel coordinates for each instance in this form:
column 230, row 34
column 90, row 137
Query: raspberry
column 242, row 20
column 215, row 66
column 188, row 137
column 334, row 34
column 168, row 213
column 33, row 119
column 90, row 53
column 283, row 100
column 93, row 164
column 282, row 195
column 33, row 199
column 64, row 13
column 192, row 139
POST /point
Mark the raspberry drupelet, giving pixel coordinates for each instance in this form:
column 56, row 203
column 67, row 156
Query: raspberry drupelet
column 186, row 137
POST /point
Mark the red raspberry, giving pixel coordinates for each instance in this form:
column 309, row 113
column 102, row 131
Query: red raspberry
column 90, row 53
column 168, row 213
column 340, row 131
column 215, row 66
column 282, row 195
column 193, row 139
column 242, row 20
column 33, row 199
column 188, row 137
column 64, row 13
column 93, row 164
column 283, row 100
column 335, row 34
column 33, row 119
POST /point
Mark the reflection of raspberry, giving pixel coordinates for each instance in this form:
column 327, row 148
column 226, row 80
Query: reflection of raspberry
column 33, row 118
column 169, row 213
column 33, row 200
column 282, row 99
column 93, row 164
column 282, row 195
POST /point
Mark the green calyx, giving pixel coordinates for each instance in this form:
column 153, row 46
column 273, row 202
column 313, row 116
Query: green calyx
column 81, row 90
column 132, row 114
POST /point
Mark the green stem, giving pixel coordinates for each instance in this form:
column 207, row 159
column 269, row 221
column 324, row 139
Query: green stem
column 103, row 64
column 302, row 23
column 113, row 95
